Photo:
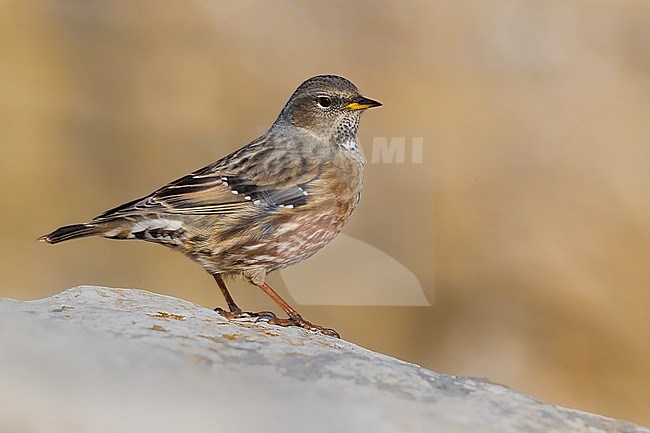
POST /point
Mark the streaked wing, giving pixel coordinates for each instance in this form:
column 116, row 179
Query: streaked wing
column 211, row 191
column 197, row 195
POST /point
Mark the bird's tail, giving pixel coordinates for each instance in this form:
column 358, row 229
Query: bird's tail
column 70, row 232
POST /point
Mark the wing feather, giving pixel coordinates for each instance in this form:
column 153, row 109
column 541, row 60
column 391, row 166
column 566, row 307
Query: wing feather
column 231, row 184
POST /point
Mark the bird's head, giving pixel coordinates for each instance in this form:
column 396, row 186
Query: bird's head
column 328, row 106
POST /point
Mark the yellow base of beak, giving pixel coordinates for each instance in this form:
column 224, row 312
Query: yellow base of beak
column 362, row 103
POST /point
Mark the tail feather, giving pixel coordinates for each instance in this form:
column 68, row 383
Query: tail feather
column 70, row 232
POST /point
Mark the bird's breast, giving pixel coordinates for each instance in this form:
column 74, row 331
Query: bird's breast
column 300, row 232
column 276, row 237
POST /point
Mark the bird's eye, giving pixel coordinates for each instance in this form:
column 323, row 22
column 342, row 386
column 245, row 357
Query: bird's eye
column 324, row 101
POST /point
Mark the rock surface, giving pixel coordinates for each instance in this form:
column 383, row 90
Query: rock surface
column 96, row 359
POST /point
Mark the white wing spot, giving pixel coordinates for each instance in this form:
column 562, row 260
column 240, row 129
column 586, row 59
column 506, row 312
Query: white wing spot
column 247, row 197
column 234, row 192
column 257, row 201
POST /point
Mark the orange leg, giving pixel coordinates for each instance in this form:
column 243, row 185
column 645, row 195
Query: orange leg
column 232, row 306
column 236, row 312
column 294, row 318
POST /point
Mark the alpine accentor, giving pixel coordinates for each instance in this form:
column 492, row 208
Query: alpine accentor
column 270, row 204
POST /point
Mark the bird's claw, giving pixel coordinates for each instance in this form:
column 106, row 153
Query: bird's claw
column 265, row 316
column 299, row 321
column 238, row 314
column 270, row 318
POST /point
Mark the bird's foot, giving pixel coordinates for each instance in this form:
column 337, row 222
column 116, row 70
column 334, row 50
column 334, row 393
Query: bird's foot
column 239, row 314
column 299, row 321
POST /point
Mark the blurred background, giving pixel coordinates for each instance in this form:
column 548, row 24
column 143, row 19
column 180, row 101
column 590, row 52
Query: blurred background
column 527, row 222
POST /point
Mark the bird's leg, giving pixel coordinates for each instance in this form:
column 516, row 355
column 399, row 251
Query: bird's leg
column 232, row 306
column 236, row 312
column 294, row 318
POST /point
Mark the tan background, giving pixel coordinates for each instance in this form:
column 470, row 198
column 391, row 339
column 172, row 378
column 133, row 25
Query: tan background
column 527, row 224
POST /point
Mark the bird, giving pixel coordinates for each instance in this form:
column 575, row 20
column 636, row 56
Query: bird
column 271, row 204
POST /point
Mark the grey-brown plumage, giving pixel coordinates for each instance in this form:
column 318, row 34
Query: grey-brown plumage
column 268, row 205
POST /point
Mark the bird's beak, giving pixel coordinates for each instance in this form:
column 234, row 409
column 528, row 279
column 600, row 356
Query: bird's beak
column 361, row 103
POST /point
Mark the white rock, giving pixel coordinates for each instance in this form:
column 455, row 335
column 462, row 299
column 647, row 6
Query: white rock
column 96, row 359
